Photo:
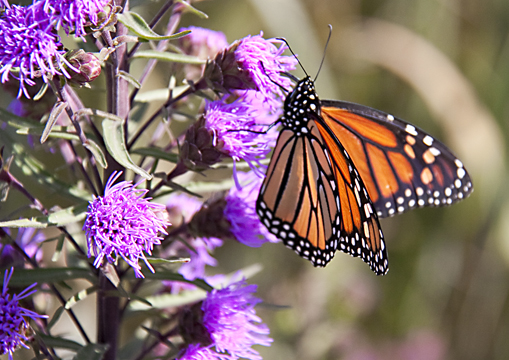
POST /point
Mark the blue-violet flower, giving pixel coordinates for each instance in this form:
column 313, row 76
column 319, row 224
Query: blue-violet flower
column 232, row 325
column 240, row 211
column 124, row 224
column 13, row 317
column 29, row 46
column 74, row 15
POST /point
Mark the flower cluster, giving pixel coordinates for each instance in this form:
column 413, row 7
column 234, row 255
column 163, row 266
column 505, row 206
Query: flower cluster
column 30, row 47
column 231, row 326
column 124, row 224
column 13, row 317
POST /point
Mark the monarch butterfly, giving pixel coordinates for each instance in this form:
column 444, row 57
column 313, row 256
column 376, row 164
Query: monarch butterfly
column 338, row 167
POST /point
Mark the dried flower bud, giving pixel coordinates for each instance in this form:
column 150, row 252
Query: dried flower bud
column 87, row 64
column 198, row 152
column 191, row 326
column 209, row 221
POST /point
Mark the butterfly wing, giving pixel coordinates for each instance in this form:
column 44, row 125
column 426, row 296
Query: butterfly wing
column 402, row 166
column 314, row 200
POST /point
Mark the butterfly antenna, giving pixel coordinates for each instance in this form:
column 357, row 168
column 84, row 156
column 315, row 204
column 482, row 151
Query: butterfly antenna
column 324, row 51
column 295, row 56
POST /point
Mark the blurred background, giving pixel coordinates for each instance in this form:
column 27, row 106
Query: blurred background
column 442, row 65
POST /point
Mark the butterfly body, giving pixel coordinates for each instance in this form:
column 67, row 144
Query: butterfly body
column 337, row 167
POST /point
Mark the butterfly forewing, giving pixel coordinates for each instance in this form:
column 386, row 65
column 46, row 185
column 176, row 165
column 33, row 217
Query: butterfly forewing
column 402, row 166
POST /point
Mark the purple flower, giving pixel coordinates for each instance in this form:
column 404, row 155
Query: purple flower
column 29, row 240
column 73, row 15
column 240, row 211
column 184, row 207
column 203, row 43
column 226, row 119
column 229, row 317
column 13, row 322
column 29, row 46
column 124, row 224
column 264, row 62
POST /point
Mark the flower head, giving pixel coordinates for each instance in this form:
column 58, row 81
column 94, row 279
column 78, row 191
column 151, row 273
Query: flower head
column 240, row 211
column 203, row 43
column 227, row 120
column 123, row 224
column 253, row 63
column 13, row 318
column 29, row 46
column 229, row 318
column 74, row 15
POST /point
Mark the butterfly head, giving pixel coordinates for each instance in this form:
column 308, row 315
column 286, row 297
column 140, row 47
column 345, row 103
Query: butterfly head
column 301, row 105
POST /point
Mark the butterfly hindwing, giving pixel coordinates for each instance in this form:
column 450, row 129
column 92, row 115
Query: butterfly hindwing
column 402, row 166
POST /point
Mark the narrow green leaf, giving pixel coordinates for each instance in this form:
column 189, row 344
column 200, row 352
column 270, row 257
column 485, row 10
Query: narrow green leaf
column 41, row 92
column 167, row 56
column 69, row 215
column 53, row 116
column 171, row 275
column 58, row 249
column 58, row 342
column 137, row 25
column 129, row 78
column 97, row 152
column 56, row 317
column 159, row 94
column 167, row 301
column 167, row 261
column 80, row 295
column 114, row 138
column 22, row 223
column 193, row 10
column 25, row 277
column 91, row 352
column 204, row 187
column 157, row 153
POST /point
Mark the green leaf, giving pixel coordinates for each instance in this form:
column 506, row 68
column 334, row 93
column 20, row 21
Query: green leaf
column 58, row 342
column 204, row 186
column 167, row 56
column 58, row 249
column 69, row 215
column 80, row 295
column 157, row 153
column 129, row 78
column 167, row 261
column 113, row 132
column 159, row 94
column 56, row 317
column 137, row 25
column 25, row 277
column 53, row 116
column 193, row 10
column 22, row 223
column 166, row 301
column 97, row 152
column 171, row 275
column 91, row 352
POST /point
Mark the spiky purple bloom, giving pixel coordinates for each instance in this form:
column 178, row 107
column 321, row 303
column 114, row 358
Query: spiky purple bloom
column 240, row 211
column 74, row 15
column 29, row 46
column 230, row 319
column 203, row 43
column 13, row 318
column 226, row 119
column 264, row 61
column 29, row 239
column 124, row 224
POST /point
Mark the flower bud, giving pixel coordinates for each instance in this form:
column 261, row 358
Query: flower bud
column 87, row 64
column 209, row 221
column 198, row 151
